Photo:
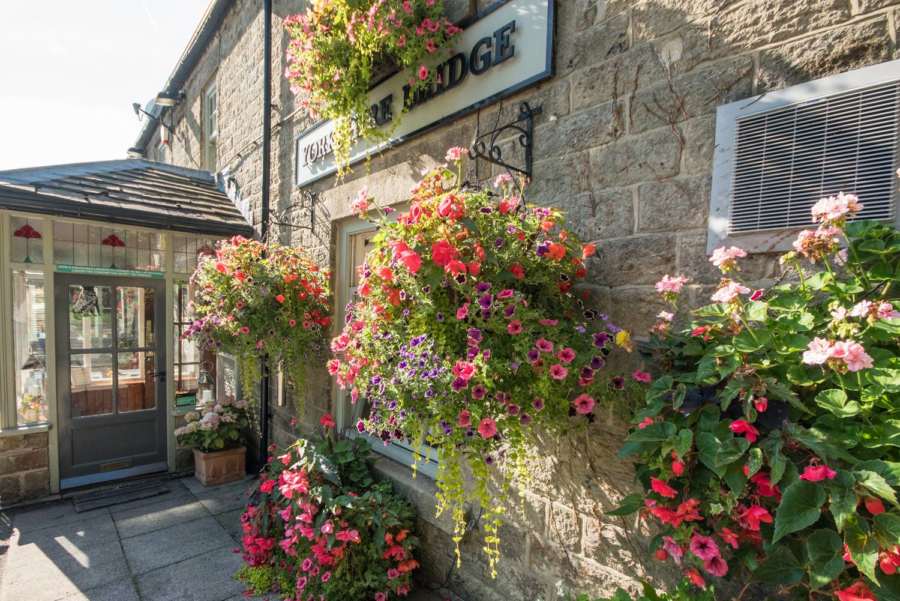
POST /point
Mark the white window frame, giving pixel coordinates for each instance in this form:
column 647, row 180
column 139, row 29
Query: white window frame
column 210, row 116
column 726, row 138
column 398, row 451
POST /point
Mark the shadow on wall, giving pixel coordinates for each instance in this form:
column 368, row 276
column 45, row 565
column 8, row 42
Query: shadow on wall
column 624, row 145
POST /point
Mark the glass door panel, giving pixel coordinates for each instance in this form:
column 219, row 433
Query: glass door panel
column 134, row 315
column 90, row 317
column 91, row 381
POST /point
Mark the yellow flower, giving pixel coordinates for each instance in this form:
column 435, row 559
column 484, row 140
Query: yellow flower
column 623, row 339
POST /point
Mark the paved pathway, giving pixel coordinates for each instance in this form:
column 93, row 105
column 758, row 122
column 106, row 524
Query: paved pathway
column 174, row 547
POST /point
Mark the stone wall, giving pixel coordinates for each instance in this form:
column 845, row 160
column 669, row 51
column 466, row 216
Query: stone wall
column 24, row 467
column 624, row 145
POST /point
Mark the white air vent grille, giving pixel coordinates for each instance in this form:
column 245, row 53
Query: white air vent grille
column 788, row 158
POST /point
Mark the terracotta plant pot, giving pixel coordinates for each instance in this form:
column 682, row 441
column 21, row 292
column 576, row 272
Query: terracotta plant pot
column 216, row 468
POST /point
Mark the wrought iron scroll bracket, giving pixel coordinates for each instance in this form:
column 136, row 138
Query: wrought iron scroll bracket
column 290, row 217
column 485, row 145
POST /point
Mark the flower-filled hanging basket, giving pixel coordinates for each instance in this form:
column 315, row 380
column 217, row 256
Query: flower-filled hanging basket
column 254, row 299
column 339, row 47
column 468, row 335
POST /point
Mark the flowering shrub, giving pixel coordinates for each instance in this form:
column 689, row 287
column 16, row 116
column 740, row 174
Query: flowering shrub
column 683, row 592
column 467, row 336
column 253, row 298
column 215, row 426
column 323, row 529
column 336, row 46
column 769, row 449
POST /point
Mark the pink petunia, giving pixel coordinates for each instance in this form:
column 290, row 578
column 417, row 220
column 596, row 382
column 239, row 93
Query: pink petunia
column 675, row 551
column 558, row 372
column 716, row 566
column 514, row 327
column 544, row 345
column 584, row 404
column 487, row 428
column 566, row 355
column 423, row 73
column 641, row 376
column 704, row 547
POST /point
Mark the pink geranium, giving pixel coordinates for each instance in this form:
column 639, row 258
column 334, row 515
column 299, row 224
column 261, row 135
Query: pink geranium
column 817, row 352
column 729, row 291
column 852, row 354
column 835, row 208
column 671, row 285
column 455, row 153
column 726, row 258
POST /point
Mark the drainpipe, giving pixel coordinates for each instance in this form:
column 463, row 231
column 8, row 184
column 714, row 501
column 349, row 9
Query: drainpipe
column 264, row 212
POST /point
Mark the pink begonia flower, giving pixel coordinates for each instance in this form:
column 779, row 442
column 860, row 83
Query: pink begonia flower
column 853, row 354
column 751, row 517
column 455, row 153
column 672, row 285
column 745, row 428
column 704, row 547
column 729, row 292
column 817, row 473
column 487, row 428
column 761, row 404
column 835, row 208
column 818, row 351
column 662, row 489
column 584, row 404
column 726, row 258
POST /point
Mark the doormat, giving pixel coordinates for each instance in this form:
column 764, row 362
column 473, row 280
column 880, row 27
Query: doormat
column 121, row 493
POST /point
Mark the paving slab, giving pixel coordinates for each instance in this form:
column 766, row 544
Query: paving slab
column 91, row 531
column 159, row 515
column 219, row 499
column 38, row 573
column 231, row 522
column 171, row 545
column 207, row 577
column 50, row 515
column 123, row 590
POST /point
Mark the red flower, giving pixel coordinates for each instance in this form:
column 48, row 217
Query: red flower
column 677, row 468
column 817, row 473
column 556, row 251
column 327, row 421
column 729, row 537
column 442, row 252
column 751, row 517
column 641, row 376
column 517, row 271
column 279, row 298
column 858, row 591
column 487, row 428
column 647, row 421
column 874, row 506
column 267, row 486
column 663, row 489
column 588, row 250
column 764, row 486
column 696, row 579
column 741, row 426
column 761, row 403
column 455, row 267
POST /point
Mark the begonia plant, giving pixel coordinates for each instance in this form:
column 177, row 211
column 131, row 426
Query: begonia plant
column 337, row 47
column 253, row 299
column 769, row 445
column 468, row 336
column 322, row 529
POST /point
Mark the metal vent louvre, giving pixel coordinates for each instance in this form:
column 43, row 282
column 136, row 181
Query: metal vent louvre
column 788, row 158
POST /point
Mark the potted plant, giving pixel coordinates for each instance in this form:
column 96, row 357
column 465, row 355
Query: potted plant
column 470, row 334
column 216, row 431
column 339, row 48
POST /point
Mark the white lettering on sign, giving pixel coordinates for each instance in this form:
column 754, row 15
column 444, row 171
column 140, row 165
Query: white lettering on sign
column 506, row 50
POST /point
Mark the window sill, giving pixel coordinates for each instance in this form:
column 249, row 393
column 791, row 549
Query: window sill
column 23, row 430
column 419, row 490
column 770, row 241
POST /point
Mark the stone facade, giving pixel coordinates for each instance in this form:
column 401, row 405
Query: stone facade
column 24, row 467
column 625, row 145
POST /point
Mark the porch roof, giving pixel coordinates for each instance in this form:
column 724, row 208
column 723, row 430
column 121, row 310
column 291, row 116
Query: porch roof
column 130, row 191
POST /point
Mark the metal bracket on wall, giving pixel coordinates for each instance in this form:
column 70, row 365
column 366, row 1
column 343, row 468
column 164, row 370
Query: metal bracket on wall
column 485, row 146
column 289, row 216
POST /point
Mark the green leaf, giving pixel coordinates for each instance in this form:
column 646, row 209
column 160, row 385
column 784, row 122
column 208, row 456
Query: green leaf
column 817, row 442
column 755, row 462
column 782, row 392
column 780, row 567
column 750, row 341
column 892, row 326
column 825, row 552
column 719, row 450
column 876, row 483
column 887, row 527
column 735, row 478
column 889, row 470
column 684, row 442
column 862, row 545
column 842, row 500
column 757, row 310
column 835, row 401
column 630, row 504
column 800, row 508
column 819, row 280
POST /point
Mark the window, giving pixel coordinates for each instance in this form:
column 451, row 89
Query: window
column 83, row 245
column 29, row 346
column 27, row 240
column 210, row 128
column 187, row 250
column 355, row 241
column 778, row 154
column 186, row 361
